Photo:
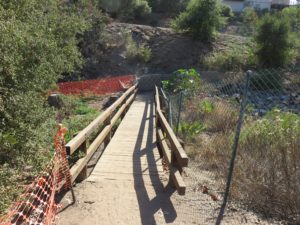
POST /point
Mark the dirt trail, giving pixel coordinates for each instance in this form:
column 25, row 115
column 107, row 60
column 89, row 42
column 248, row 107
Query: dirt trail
column 129, row 187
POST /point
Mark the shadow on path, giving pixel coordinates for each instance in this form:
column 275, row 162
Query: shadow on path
column 161, row 202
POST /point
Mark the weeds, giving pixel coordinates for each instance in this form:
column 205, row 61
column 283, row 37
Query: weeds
column 266, row 176
column 139, row 52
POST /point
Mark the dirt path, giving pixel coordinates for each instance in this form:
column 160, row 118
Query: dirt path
column 129, row 187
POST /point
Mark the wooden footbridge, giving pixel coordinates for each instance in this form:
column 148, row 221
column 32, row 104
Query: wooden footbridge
column 128, row 183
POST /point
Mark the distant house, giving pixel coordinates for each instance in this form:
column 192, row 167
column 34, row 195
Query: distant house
column 239, row 5
column 284, row 3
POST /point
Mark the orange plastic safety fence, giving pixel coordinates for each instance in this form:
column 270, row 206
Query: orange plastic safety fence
column 37, row 205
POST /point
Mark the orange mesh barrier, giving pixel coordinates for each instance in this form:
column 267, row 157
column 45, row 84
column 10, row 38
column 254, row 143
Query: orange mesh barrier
column 97, row 87
column 37, row 205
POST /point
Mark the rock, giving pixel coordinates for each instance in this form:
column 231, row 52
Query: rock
column 297, row 100
column 262, row 112
column 55, row 101
column 111, row 100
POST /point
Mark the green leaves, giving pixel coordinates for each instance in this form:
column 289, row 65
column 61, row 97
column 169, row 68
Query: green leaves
column 186, row 80
column 273, row 41
column 190, row 130
column 201, row 18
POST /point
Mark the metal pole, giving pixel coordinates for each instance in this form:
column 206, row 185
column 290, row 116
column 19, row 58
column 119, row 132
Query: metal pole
column 179, row 112
column 170, row 111
column 234, row 148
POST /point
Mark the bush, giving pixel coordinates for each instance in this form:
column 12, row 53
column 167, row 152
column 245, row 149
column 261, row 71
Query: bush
column 292, row 14
column 249, row 19
column 135, row 52
column 268, row 167
column 236, row 56
column 201, row 18
column 190, row 130
column 184, row 80
column 38, row 43
column 226, row 11
column 141, row 9
column 135, row 9
column 230, row 60
column 273, row 41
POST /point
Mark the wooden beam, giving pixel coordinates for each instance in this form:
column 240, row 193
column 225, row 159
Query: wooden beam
column 157, row 102
column 164, row 146
column 177, row 180
column 174, row 172
column 83, row 173
column 81, row 163
column 76, row 142
column 179, row 152
column 122, row 109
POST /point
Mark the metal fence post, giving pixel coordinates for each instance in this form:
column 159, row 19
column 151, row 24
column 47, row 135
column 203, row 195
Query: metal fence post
column 235, row 147
column 179, row 112
column 170, row 111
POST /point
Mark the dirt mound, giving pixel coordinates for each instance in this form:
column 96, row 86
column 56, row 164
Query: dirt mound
column 170, row 51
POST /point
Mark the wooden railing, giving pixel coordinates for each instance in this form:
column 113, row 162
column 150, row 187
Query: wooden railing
column 106, row 121
column 174, row 154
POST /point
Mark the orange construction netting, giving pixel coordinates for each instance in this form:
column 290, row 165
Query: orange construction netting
column 37, row 205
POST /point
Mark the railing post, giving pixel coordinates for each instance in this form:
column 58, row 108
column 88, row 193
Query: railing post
column 108, row 123
column 83, row 174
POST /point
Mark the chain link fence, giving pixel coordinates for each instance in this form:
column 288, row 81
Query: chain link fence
column 242, row 136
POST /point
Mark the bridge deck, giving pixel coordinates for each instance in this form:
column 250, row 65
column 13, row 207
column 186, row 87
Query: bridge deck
column 127, row 184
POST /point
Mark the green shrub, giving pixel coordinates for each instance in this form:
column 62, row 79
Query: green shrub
column 268, row 166
column 190, row 130
column 201, row 18
column 249, row 15
column 226, row 11
column 230, row 60
column 135, row 9
column 141, row 9
column 38, row 44
column 207, row 106
column 249, row 19
column 292, row 15
column 273, row 41
column 135, row 52
column 184, row 80
column 235, row 57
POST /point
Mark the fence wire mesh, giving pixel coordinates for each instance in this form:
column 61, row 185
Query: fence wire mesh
column 264, row 188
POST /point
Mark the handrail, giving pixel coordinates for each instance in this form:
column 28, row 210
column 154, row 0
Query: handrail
column 170, row 147
column 108, row 118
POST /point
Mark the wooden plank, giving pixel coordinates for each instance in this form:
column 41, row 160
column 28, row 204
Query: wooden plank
column 80, row 164
column 164, row 147
column 180, row 154
column 157, row 102
column 174, row 172
column 122, row 109
column 83, row 173
column 74, row 144
column 178, row 180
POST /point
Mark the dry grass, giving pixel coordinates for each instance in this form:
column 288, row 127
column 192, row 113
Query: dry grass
column 267, row 172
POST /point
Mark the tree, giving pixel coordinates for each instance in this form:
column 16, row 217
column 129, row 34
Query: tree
column 38, row 43
column 201, row 18
column 273, row 41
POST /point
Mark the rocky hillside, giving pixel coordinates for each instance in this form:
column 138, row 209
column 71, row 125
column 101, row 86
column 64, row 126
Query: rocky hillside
column 170, row 51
